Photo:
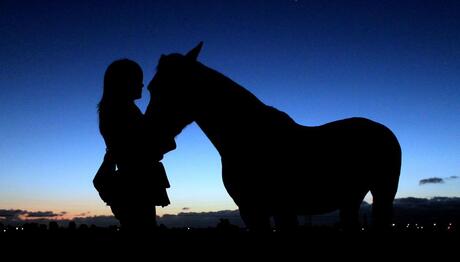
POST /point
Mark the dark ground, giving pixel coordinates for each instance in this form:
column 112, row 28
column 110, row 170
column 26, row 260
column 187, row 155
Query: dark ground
column 232, row 243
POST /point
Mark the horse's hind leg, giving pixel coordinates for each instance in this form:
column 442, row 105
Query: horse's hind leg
column 383, row 195
column 254, row 219
column 382, row 209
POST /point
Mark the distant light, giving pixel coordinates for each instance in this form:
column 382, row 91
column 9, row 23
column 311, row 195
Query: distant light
column 4, row 230
column 362, row 229
column 393, row 225
column 17, row 228
column 434, row 224
column 188, row 228
column 450, row 224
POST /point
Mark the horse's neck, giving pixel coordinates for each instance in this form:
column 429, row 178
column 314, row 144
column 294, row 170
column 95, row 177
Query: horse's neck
column 229, row 113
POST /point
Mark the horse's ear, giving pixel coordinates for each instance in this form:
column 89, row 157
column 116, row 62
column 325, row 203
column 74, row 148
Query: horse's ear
column 193, row 54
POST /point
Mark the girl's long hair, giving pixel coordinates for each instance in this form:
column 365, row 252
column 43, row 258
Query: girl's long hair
column 117, row 80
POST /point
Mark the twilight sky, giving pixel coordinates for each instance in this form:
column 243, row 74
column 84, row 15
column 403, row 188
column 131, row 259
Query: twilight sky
column 396, row 62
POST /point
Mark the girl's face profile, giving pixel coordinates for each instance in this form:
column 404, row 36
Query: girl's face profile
column 137, row 86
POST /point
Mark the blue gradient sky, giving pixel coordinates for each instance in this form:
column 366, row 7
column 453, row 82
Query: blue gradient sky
column 396, row 62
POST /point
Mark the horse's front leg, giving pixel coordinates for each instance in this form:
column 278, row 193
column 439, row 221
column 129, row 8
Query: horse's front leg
column 349, row 213
column 238, row 177
column 286, row 222
column 349, row 219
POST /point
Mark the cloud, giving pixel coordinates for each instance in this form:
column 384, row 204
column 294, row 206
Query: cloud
column 432, row 180
column 18, row 216
column 44, row 214
column 101, row 221
column 436, row 180
column 11, row 213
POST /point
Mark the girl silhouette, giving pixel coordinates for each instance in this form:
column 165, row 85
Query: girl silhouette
column 140, row 182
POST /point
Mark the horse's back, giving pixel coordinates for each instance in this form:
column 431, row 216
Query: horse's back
column 353, row 145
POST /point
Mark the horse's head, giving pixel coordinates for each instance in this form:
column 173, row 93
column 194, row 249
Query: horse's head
column 172, row 98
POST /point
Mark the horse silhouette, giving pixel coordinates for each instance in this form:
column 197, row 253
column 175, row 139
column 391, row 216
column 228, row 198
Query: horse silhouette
column 271, row 165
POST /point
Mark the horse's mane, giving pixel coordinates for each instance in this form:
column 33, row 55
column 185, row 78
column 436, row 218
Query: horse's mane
column 244, row 99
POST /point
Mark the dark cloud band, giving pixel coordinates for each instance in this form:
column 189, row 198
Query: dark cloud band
column 432, row 180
